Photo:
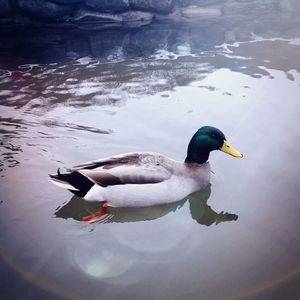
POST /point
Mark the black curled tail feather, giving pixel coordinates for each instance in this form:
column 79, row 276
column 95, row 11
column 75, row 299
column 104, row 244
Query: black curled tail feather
column 81, row 183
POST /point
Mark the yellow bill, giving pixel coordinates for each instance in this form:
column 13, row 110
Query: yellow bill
column 230, row 150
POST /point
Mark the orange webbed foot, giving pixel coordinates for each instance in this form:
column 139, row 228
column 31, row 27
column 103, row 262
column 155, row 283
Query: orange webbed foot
column 98, row 215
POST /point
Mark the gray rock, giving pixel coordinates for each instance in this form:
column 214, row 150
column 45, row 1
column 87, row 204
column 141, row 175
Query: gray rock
column 159, row 6
column 95, row 16
column 67, row 1
column 132, row 17
column 202, row 2
column 194, row 11
column 253, row 8
column 6, row 7
column 184, row 3
column 110, row 6
column 45, row 9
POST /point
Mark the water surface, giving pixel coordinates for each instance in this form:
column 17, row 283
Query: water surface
column 74, row 95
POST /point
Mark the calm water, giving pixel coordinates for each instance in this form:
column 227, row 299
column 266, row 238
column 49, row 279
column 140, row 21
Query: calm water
column 74, row 95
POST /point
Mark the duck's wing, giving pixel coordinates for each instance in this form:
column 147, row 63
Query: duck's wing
column 111, row 162
column 130, row 168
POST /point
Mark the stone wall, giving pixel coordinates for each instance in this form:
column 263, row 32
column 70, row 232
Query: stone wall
column 123, row 11
column 82, row 10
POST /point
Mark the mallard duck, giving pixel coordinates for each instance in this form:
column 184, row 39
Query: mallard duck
column 140, row 179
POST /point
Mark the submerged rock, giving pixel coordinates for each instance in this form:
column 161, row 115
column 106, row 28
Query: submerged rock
column 159, row 6
column 45, row 9
column 111, row 6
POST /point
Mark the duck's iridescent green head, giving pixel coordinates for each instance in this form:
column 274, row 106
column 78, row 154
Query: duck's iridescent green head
column 207, row 139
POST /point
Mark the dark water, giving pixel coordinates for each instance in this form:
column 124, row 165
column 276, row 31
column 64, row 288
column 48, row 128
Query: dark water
column 74, row 95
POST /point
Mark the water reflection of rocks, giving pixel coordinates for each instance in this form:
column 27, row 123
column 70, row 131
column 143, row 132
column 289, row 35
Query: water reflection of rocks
column 41, row 69
column 202, row 213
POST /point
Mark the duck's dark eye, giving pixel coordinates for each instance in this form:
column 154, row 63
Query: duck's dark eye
column 213, row 135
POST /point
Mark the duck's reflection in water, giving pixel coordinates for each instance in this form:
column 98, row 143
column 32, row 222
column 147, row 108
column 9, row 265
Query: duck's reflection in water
column 77, row 208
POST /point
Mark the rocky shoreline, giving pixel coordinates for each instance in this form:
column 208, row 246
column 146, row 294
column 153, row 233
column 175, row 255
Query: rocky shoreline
column 124, row 12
